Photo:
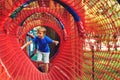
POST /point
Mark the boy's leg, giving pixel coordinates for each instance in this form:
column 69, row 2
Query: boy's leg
column 46, row 61
column 39, row 61
column 46, row 67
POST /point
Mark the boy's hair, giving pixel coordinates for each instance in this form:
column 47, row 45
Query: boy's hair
column 41, row 29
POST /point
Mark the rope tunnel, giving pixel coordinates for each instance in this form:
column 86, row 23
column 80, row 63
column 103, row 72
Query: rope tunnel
column 88, row 31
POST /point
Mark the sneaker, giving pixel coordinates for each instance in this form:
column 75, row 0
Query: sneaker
column 40, row 69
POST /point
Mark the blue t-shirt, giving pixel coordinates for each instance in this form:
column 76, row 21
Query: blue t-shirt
column 42, row 43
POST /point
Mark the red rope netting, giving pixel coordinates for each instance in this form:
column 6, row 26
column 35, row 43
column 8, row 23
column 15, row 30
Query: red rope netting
column 94, row 57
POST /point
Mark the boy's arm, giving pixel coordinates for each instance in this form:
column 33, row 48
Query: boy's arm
column 25, row 45
column 55, row 42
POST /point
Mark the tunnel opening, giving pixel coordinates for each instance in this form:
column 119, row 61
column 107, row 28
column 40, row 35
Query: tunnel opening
column 31, row 49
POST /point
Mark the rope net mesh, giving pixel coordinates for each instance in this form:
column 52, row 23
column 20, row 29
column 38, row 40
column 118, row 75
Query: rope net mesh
column 95, row 57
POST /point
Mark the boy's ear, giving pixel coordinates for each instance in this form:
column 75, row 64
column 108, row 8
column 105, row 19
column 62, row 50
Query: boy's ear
column 44, row 32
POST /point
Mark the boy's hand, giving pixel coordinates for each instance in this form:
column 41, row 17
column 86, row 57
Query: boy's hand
column 22, row 48
column 56, row 42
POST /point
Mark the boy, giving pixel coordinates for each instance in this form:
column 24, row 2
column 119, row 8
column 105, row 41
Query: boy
column 42, row 42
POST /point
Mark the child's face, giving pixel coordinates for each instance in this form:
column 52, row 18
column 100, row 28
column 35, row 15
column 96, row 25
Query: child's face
column 40, row 34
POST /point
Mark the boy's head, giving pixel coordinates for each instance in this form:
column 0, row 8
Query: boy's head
column 41, row 31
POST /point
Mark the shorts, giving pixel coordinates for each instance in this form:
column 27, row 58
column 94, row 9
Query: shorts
column 43, row 56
